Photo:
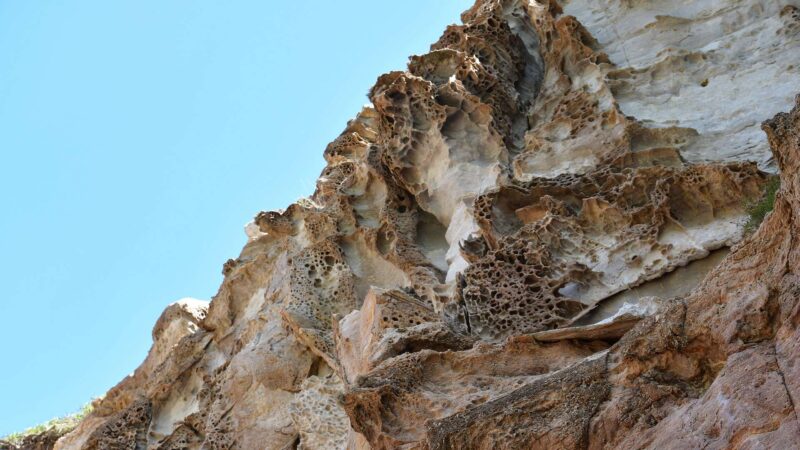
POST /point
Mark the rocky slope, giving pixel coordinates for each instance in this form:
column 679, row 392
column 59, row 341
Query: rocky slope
column 532, row 238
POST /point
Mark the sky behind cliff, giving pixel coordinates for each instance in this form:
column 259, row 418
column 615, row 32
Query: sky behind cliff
column 136, row 139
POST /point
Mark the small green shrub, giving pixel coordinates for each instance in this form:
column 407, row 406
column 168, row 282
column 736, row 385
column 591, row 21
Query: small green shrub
column 61, row 425
column 758, row 210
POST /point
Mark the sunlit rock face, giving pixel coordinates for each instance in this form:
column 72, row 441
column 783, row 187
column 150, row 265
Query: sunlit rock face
column 712, row 69
column 532, row 238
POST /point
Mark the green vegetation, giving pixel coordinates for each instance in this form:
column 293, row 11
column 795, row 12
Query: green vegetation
column 760, row 209
column 61, row 425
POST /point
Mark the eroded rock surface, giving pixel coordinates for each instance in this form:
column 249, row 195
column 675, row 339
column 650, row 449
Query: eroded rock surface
column 532, row 238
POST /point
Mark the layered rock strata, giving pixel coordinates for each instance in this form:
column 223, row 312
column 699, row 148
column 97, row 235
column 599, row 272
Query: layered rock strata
column 532, row 238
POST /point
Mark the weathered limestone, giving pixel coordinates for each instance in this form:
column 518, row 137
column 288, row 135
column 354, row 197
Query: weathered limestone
column 532, row 238
column 711, row 71
column 556, row 247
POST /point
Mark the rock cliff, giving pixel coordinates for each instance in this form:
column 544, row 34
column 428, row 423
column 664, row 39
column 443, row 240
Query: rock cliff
column 534, row 237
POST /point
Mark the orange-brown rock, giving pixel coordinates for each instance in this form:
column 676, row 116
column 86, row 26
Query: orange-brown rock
column 533, row 237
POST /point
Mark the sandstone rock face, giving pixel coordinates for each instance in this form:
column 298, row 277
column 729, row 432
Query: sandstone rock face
column 532, row 238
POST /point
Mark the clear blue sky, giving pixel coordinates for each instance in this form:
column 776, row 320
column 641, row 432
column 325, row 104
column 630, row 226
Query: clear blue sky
column 137, row 138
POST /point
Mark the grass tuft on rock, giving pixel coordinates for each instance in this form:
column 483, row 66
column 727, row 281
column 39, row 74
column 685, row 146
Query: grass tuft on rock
column 759, row 210
column 59, row 425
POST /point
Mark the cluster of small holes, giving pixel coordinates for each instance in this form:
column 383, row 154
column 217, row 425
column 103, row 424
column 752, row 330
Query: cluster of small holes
column 348, row 146
column 501, row 64
column 402, row 374
column 396, row 241
column 334, row 174
column 424, row 280
column 492, row 41
column 514, row 290
column 568, row 51
column 580, row 108
column 489, row 48
column 439, row 65
column 212, row 419
column 317, row 415
column 183, row 438
column 321, row 285
column 275, row 222
column 228, row 267
column 395, row 237
column 480, row 80
column 791, row 15
column 208, row 394
column 482, row 210
column 319, row 225
column 401, row 315
column 515, row 287
column 408, row 111
column 220, row 435
column 126, row 430
column 486, row 56
column 626, row 188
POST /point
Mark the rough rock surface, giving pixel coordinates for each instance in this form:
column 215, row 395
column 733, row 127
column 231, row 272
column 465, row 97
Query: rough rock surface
column 532, row 238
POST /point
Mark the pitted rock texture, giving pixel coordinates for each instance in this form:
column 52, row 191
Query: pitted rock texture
column 559, row 246
column 531, row 238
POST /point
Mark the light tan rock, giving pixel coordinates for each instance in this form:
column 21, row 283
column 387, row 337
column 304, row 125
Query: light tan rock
column 532, row 238
column 714, row 70
column 318, row 415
